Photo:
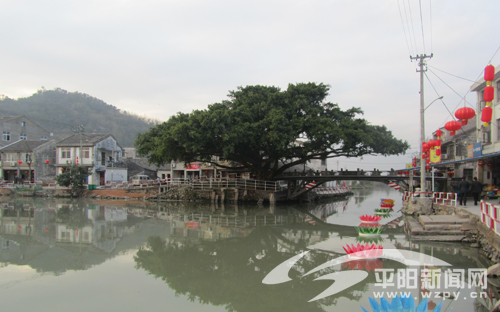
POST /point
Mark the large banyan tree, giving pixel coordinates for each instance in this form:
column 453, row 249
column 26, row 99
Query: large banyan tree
column 266, row 130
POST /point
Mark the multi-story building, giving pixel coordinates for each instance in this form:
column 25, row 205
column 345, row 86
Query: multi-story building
column 488, row 151
column 21, row 128
column 100, row 153
column 28, row 160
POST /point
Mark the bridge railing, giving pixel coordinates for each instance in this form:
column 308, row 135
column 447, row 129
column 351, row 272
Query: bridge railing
column 442, row 198
column 342, row 172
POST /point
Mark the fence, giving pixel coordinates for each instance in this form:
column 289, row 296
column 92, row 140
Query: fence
column 442, row 198
column 490, row 215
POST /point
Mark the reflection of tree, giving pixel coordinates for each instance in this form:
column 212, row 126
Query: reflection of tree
column 230, row 272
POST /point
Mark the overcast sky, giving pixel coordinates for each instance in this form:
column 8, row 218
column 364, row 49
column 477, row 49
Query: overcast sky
column 156, row 58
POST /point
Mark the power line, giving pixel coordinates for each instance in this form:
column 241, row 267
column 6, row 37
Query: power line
column 404, row 30
column 414, row 48
column 412, row 28
column 452, row 74
column 430, row 13
column 421, row 23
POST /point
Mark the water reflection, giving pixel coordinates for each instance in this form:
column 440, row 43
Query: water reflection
column 214, row 254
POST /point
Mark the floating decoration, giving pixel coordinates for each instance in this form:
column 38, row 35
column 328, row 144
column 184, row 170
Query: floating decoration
column 383, row 211
column 369, row 265
column 366, row 230
column 386, row 201
column 464, row 114
column 370, row 224
column 389, row 206
column 453, row 126
column 369, row 239
column 370, row 219
column 364, row 251
column 401, row 304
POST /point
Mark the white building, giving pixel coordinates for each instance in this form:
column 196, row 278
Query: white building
column 100, row 153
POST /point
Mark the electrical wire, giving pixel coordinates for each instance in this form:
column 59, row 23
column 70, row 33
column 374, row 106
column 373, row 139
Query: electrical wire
column 421, row 23
column 430, row 13
column 412, row 28
column 452, row 74
column 408, row 26
column 404, row 30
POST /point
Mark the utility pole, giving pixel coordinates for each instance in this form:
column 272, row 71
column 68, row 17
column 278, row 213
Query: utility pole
column 422, row 69
column 81, row 130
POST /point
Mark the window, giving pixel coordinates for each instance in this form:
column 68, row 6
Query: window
column 498, row 129
column 43, row 138
column 66, row 152
column 23, row 123
column 6, row 136
column 498, row 89
column 23, row 136
column 86, row 152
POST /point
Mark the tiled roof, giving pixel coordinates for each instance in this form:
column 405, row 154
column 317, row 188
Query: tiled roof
column 88, row 139
column 22, row 146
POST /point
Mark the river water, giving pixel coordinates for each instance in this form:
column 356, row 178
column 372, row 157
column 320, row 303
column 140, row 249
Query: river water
column 99, row 256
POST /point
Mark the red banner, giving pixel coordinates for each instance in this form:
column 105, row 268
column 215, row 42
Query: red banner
column 193, row 166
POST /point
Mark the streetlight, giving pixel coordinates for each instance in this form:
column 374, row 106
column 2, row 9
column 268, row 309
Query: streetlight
column 422, row 140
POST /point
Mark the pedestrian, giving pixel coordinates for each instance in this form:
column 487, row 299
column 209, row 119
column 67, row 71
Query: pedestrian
column 476, row 188
column 463, row 188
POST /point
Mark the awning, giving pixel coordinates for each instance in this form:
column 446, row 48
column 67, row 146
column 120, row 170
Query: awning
column 99, row 169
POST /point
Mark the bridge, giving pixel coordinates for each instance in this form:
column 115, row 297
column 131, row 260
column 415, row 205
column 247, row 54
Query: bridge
column 299, row 183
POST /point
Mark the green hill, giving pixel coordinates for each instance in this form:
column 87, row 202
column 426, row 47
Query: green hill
column 58, row 110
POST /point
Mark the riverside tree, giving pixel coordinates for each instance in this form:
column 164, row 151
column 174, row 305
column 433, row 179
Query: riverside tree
column 267, row 130
column 74, row 177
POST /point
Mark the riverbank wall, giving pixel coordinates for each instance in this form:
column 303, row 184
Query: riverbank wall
column 179, row 193
column 475, row 232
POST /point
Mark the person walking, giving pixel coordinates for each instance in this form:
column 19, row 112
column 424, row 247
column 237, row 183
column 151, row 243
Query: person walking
column 463, row 188
column 476, row 188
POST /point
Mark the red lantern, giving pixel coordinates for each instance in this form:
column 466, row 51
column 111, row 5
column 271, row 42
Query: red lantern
column 453, row 126
column 464, row 114
column 423, row 156
column 439, row 133
column 47, row 230
column 19, row 228
column 438, row 143
column 486, row 115
column 438, row 152
column 425, row 147
column 428, row 160
column 428, row 167
column 19, row 162
column 47, row 161
column 489, row 73
column 488, row 94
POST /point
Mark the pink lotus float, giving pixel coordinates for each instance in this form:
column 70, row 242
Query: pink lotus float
column 370, row 219
column 364, row 251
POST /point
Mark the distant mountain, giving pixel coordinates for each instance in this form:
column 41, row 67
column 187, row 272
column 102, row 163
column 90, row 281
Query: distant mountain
column 58, row 110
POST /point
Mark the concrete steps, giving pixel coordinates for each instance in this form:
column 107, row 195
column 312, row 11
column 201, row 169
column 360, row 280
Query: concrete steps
column 446, row 228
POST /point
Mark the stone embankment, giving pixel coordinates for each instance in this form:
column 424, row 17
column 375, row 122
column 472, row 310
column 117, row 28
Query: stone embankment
column 427, row 221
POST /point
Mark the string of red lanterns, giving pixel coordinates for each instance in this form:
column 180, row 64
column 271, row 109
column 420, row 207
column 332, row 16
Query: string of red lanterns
column 489, row 75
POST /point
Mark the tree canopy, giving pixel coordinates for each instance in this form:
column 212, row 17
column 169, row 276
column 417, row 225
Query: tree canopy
column 267, row 131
